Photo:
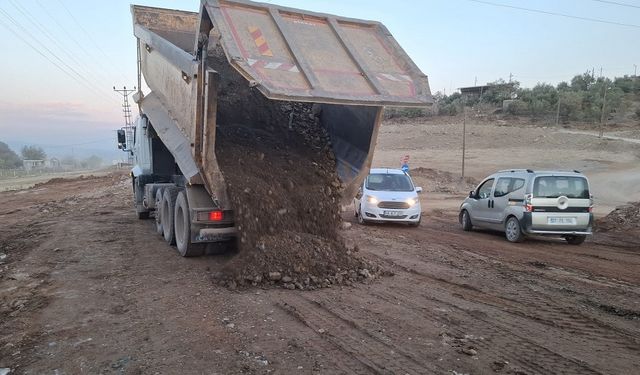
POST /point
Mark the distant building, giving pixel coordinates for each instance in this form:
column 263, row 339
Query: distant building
column 476, row 92
column 33, row 164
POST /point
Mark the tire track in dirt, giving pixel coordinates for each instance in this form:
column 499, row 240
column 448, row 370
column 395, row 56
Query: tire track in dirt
column 535, row 310
column 376, row 354
column 539, row 309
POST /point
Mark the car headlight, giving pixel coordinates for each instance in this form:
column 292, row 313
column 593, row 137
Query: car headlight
column 411, row 201
column 371, row 199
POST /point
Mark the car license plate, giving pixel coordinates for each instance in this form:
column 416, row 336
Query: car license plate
column 391, row 213
column 561, row 220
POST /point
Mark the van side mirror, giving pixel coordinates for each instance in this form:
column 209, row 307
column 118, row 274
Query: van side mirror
column 472, row 194
column 122, row 139
column 418, row 189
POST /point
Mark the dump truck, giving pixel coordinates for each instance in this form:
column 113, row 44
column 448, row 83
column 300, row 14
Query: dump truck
column 347, row 69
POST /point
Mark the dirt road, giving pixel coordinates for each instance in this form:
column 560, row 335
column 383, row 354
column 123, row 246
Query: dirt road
column 85, row 288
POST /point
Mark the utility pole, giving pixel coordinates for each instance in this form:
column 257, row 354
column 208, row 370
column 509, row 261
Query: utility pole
column 558, row 111
column 126, row 110
column 510, row 76
column 635, row 70
column 604, row 101
column 464, row 136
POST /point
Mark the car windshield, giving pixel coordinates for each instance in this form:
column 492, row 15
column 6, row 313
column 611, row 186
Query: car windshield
column 389, row 182
column 557, row 186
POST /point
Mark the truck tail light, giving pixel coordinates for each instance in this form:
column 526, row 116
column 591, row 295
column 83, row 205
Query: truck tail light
column 215, row 215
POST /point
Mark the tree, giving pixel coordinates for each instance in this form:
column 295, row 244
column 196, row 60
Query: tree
column 33, row 153
column 582, row 82
column 8, row 158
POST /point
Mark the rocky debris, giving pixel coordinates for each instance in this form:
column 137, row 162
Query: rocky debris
column 623, row 218
column 301, row 280
column 280, row 173
column 469, row 351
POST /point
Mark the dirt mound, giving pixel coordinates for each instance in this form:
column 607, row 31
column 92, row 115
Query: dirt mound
column 280, row 174
column 442, row 181
column 114, row 175
column 623, row 218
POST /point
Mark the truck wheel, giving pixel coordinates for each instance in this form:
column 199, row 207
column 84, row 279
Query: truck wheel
column 575, row 239
column 138, row 192
column 158, row 214
column 182, row 226
column 168, row 206
column 512, row 230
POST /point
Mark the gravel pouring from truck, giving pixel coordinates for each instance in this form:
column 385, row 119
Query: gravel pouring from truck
column 346, row 69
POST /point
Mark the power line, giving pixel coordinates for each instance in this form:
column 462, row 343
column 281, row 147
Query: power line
column 44, row 31
column 618, row 3
column 67, row 70
column 555, row 14
column 88, row 36
column 96, row 72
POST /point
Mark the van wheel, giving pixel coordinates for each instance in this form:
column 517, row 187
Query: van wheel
column 465, row 220
column 182, row 227
column 575, row 239
column 168, row 207
column 158, row 213
column 512, row 230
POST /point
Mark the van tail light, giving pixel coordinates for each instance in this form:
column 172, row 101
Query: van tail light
column 591, row 203
column 527, row 203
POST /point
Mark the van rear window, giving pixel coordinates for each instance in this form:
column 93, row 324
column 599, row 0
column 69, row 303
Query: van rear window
column 557, row 186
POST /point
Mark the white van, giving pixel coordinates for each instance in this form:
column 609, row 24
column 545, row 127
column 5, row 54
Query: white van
column 388, row 195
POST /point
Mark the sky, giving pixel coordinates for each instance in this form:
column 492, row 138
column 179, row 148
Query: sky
column 61, row 58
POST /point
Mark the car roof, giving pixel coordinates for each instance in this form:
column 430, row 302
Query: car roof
column 531, row 172
column 385, row 171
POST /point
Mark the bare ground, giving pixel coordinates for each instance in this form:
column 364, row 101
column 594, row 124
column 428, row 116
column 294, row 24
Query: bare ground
column 85, row 288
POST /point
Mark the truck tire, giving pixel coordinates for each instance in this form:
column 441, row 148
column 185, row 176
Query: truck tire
column 158, row 213
column 168, row 205
column 182, row 228
column 138, row 195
